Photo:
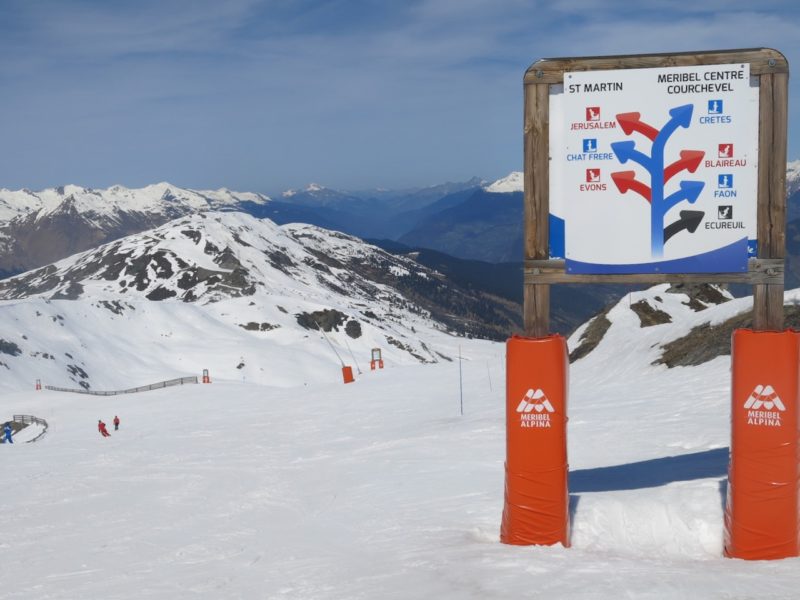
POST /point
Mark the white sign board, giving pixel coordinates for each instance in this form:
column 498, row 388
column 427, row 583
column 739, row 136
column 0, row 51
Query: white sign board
column 654, row 170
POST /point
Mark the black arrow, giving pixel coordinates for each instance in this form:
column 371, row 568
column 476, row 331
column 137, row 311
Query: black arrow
column 689, row 220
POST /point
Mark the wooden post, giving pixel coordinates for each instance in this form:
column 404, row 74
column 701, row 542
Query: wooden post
column 536, row 298
column 768, row 298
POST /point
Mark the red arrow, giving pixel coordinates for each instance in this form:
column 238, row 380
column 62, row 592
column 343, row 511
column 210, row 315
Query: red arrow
column 626, row 180
column 631, row 122
column 690, row 160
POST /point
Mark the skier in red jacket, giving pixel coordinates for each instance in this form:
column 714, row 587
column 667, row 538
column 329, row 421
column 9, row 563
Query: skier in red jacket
column 116, row 422
column 101, row 427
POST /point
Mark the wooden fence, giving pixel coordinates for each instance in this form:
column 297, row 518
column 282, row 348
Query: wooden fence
column 143, row 388
column 29, row 420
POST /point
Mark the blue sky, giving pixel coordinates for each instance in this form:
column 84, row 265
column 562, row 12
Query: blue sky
column 265, row 95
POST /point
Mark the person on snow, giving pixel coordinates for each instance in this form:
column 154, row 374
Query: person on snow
column 101, row 427
column 116, row 422
column 7, row 432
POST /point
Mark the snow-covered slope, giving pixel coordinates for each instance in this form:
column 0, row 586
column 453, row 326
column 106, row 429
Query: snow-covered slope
column 377, row 489
column 240, row 285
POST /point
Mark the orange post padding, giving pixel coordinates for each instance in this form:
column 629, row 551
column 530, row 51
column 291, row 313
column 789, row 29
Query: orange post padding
column 347, row 374
column 536, row 509
column 761, row 518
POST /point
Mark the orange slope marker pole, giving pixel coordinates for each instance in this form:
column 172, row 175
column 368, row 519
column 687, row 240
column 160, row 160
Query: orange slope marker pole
column 536, row 507
column 761, row 513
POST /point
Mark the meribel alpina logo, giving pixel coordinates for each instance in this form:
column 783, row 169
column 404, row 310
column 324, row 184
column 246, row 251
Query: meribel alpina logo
column 534, row 409
column 764, row 407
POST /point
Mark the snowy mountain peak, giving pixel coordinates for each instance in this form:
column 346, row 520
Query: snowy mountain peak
column 72, row 190
column 40, row 227
column 311, row 188
column 510, row 183
column 793, row 176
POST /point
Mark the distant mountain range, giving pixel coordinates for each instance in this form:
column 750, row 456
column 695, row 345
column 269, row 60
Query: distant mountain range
column 473, row 219
column 470, row 230
column 37, row 228
column 482, row 225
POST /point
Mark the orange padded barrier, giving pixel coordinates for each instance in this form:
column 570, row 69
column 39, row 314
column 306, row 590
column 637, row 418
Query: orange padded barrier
column 761, row 519
column 347, row 374
column 536, row 509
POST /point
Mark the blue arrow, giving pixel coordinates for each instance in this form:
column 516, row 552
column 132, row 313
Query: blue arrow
column 681, row 117
column 690, row 190
column 626, row 151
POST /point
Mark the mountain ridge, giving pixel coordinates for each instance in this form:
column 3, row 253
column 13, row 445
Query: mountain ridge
column 240, row 274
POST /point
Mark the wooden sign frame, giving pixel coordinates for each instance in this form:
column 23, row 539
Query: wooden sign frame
column 765, row 272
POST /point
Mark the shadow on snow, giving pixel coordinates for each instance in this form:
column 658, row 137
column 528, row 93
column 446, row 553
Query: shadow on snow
column 651, row 473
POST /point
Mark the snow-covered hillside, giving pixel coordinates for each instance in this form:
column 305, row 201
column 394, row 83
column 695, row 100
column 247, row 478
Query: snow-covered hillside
column 237, row 286
column 376, row 489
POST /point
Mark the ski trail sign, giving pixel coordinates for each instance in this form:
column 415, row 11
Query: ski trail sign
column 670, row 146
column 659, row 168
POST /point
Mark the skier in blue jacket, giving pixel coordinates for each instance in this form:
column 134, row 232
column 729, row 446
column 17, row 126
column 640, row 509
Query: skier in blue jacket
column 7, row 431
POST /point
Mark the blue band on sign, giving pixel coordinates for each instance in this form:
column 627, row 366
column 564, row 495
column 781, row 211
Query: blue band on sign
column 728, row 259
